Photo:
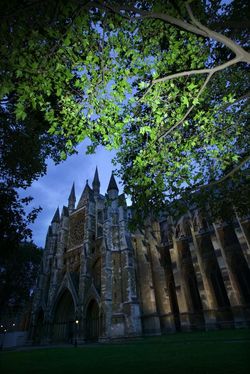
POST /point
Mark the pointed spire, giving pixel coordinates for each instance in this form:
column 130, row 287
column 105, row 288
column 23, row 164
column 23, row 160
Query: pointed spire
column 112, row 183
column 72, row 196
column 56, row 217
column 96, row 182
column 72, row 199
column 96, row 177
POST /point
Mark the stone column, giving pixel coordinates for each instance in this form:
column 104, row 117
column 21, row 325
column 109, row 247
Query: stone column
column 206, row 260
column 233, row 256
column 245, row 237
column 149, row 314
column 159, row 280
column 180, row 286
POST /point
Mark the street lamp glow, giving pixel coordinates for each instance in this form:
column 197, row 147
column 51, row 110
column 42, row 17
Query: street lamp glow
column 77, row 321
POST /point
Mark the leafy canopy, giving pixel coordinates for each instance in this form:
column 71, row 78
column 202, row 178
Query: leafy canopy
column 164, row 82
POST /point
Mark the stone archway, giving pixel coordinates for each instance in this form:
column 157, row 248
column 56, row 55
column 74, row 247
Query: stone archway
column 64, row 317
column 92, row 321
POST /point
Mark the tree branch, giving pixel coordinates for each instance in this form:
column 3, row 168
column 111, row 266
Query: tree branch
column 198, row 71
column 146, row 92
column 187, row 73
column 238, row 50
column 189, row 110
column 229, row 174
column 140, row 13
column 195, row 28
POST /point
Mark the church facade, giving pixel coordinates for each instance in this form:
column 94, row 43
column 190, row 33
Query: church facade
column 99, row 281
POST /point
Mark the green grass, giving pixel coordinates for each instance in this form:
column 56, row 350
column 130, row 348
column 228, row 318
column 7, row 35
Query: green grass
column 221, row 352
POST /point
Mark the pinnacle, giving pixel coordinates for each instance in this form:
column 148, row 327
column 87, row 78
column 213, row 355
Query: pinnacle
column 96, row 180
column 56, row 217
column 112, row 183
column 72, row 195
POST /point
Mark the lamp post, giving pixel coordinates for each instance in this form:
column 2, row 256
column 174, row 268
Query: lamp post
column 76, row 331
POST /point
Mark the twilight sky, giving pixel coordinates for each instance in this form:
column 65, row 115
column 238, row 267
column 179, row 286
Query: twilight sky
column 53, row 189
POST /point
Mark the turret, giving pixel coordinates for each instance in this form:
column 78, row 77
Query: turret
column 55, row 221
column 72, row 199
column 96, row 183
column 112, row 188
column 56, row 218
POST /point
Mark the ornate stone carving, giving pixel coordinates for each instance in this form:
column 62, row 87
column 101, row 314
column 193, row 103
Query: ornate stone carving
column 77, row 224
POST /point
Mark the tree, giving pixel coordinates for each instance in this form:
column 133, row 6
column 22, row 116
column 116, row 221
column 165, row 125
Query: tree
column 166, row 82
column 25, row 144
column 18, row 277
column 19, row 259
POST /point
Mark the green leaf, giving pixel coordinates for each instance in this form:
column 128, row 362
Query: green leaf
column 185, row 100
column 63, row 155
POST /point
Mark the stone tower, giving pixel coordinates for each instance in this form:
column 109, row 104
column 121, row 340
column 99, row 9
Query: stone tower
column 99, row 281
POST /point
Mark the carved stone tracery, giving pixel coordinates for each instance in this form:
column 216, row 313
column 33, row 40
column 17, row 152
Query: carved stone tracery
column 77, row 225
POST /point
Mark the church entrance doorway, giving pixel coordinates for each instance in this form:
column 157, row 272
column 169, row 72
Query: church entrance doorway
column 63, row 325
column 92, row 321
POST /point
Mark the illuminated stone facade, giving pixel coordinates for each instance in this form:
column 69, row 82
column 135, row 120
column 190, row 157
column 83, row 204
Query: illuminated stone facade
column 99, row 281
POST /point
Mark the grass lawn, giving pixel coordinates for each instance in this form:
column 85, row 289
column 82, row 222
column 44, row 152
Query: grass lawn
column 221, row 352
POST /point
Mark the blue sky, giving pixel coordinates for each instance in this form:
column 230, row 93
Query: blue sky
column 52, row 190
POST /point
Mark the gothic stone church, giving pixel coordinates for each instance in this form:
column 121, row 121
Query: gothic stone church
column 99, row 281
